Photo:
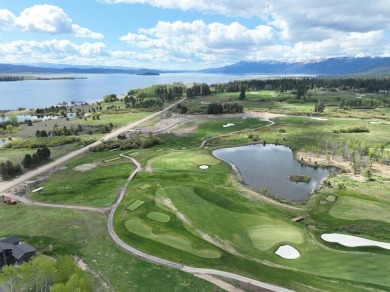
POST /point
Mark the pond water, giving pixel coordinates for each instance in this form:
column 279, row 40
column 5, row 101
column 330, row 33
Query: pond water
column 23, row 118
column 269, row 166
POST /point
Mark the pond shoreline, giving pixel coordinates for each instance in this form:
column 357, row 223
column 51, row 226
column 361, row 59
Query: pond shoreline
column 258, row 171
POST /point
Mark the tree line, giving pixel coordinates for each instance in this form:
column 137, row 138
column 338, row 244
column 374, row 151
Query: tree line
column 8, row 169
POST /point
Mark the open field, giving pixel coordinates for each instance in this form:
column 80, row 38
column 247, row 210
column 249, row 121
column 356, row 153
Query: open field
column 83, row 234
column 206, row 218
column 94, row 187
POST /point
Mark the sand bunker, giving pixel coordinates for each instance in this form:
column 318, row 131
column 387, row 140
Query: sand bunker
column 203, row 166
column 288, row 252
column 319, row 119
column 228, row 125
column 353, row 241
column 85, row 167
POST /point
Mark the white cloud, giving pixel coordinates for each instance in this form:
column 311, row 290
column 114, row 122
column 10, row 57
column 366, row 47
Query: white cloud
column 49, row 51
column 200, row 40
column 297, row 19
column 47, row 19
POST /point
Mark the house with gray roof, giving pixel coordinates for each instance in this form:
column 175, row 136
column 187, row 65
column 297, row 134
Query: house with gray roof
column 12, row 252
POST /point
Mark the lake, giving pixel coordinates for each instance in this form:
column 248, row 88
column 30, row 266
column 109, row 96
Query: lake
column 44, row 93
column 269, row 166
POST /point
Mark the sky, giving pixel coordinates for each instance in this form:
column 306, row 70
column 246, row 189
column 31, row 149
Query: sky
column 190, row 34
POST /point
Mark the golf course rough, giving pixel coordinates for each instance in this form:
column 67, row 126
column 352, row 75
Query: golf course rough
column 142, row 229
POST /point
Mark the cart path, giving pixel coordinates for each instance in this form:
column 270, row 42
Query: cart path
column 6, row 185
column 171, row 264
column 28, row 202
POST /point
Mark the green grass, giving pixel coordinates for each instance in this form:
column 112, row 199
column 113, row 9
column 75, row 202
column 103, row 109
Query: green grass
column 201, row 159
column 116, row 119
column 331, row 198
column 112, row 159
column 357, row 209
column 95, row 187
column 241, row 230
column 56, row 232
column 266, row 237
column 135, row 205
column 159, row 217
column 144, row 187
column 142, row 229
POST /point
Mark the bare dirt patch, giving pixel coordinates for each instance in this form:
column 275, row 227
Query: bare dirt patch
column 85, row 167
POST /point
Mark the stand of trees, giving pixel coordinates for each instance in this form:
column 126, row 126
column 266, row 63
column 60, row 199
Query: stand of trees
column 44, row 274
column 8, row 169
column 226, row 108
column 41, row 155
column 198, row 90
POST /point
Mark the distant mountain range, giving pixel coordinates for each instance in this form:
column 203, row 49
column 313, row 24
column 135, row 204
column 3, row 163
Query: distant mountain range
column 329, row 66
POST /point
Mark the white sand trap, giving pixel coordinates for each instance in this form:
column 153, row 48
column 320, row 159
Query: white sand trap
column 228, row 125
column 85, row 167
column 353, row 241
column 204, row 166
column 374, row 122
column 319, row 119
column 288, row 252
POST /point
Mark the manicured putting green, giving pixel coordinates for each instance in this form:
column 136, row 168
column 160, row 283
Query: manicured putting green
column 160, row 217
column 358, row 209
column 144, row 187
column 141, row 229
column 201, row 159
column 239, row 229
column 331, row 198
column 135, row 205
column 266, row 237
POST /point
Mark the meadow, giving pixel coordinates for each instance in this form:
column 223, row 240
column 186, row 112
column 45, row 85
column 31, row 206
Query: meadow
column 203, row 216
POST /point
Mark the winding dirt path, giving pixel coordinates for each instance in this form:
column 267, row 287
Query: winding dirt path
column 192, row 270
column 6, row 185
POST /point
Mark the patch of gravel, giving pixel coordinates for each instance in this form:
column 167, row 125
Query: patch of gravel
column 85, row 167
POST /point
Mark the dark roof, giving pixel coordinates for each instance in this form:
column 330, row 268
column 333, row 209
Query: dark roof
column 20, row 250
column 5, row 246
column 11, row 240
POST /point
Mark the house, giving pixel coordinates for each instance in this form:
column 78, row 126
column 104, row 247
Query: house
column 12, row 252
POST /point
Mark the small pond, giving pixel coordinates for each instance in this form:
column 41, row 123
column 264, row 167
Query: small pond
column 23, row 118
column 270, row 166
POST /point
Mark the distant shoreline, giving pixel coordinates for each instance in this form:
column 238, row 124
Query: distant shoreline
column 10, row 78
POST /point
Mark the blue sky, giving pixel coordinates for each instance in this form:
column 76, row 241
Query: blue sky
column 188, row 34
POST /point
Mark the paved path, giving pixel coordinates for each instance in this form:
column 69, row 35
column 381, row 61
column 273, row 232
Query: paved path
column 161, row 261
column 6, row 185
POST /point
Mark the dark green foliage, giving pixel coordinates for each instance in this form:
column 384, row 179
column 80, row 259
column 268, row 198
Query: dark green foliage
column 8, row 169
column 352, row 130
column 319, row 107
column 242, row 95
column 299, row 178
column 226, row 108
column 41, row 155
column 110, row 98
column 198, row 90
column 44, row 274
column 136, row 142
